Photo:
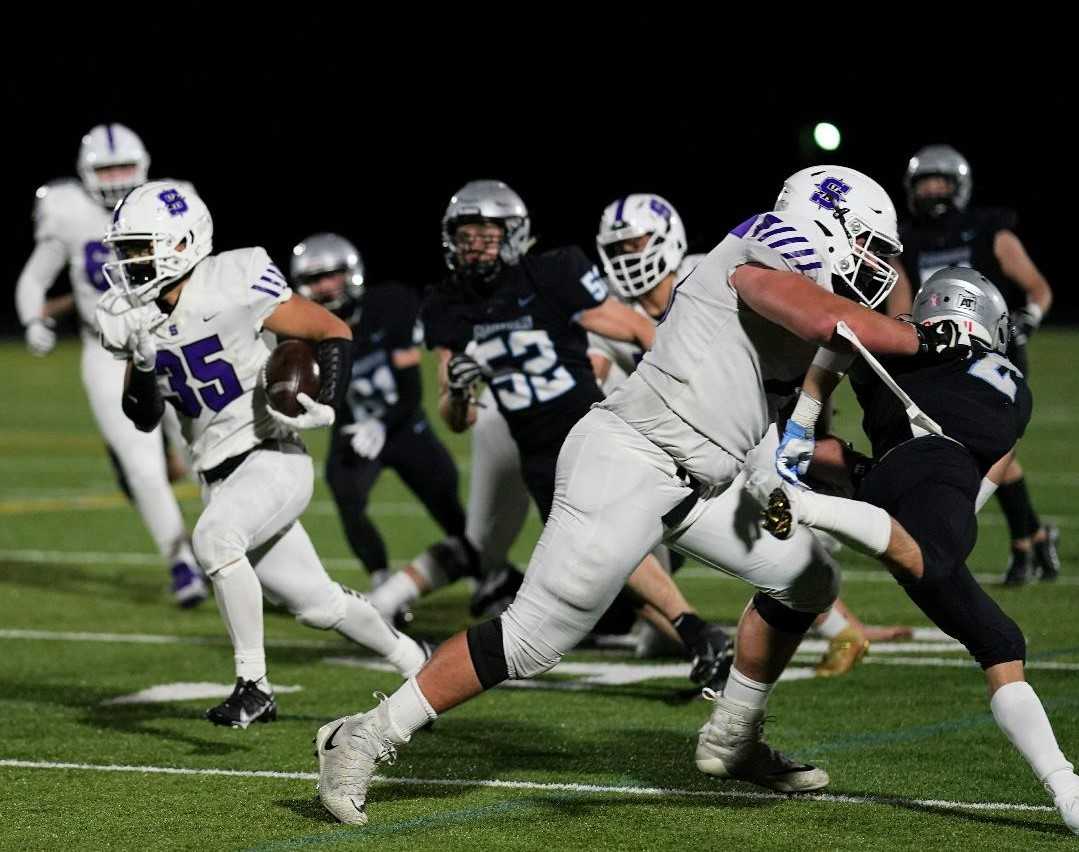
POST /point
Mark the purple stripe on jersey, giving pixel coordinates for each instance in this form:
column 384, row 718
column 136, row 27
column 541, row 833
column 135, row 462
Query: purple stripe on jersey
column 743, row 229
column 799, row 253
column 277, row 295
column 618, row 212
column 775, row 231
column 108, row 137
column 269, row 281
column 787, row 242
column 273, row 268
column 806, row 266
column 276, row 280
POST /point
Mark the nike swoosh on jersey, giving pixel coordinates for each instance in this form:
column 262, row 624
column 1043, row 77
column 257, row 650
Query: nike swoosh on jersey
column 522, row 302
column 210, row 317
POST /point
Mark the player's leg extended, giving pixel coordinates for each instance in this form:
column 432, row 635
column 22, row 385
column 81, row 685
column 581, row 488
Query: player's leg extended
column 292, row 574
column 612, row 488
column 248, row 508
column 351, row 479
column 796, row 582
column 141, row 460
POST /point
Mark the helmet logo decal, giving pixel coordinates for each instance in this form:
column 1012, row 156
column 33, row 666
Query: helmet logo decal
column 173, row 201
column 660, row 209
column 830, row 192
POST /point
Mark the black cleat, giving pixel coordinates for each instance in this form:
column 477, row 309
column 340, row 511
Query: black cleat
column 1046, row 557
column 713, row 655
column 1020, row 568
column 496, row 592
column 247, row 704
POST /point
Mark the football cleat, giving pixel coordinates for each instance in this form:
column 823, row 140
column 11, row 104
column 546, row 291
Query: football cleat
column 713, row 655
column 247, row 704
column 845, row 651
column 731, row 745
column 348, row 750
column 1068, row 805
column 1020, row 568
column 1046, row 555
column 188, row 587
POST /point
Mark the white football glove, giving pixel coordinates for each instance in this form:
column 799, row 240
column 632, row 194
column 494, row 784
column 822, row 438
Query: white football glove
column 315, row 414
column 40, row 337
column 462, row 372
column 795, row 452
column 367, row 437
column 143, row 350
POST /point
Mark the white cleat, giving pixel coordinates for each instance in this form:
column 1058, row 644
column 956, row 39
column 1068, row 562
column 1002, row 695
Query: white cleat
column 731, row 745
column 348, row 751
column 1068, row 805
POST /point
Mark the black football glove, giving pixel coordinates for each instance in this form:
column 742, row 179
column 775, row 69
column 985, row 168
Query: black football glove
column 942, row 339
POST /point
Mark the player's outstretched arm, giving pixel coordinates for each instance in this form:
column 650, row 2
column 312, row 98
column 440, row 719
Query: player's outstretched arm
column 804, row 309
column 455, row 403
column 619, row 322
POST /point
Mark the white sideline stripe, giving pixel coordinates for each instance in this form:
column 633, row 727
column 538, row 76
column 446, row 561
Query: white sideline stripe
column 827, row 798
column 959, row 662
column 156, row 639
column 348, row 563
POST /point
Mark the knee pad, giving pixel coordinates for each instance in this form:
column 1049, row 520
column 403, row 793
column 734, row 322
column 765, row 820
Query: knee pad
column 782, row 617
column 485, row 647
column 1004, row 643
column 216, row 546
column 327, row 610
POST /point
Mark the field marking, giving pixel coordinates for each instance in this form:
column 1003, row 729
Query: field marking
column 161, row 639
column 826, row 798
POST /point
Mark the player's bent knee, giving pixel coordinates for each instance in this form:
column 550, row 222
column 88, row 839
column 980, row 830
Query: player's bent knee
column 488, row 653
column 999, row 643
column 215, row 546
column 814, row 590
column 325, row 612
column 781, row 617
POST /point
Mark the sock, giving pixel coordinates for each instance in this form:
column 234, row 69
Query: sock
column 866, row 528
column 1020, row 715
column 749, row 693
column 364, row 625
column 833, row 624
column 689, row 626
column 407, row 710
column 394, row 595
column 239, row 600
column 1015, row 503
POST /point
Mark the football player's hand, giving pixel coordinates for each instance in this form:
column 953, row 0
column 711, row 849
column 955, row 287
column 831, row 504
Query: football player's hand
column 315, row 414
column 1026, row 322
column 794, row 453
column 943, row 339
column 40, row 337
column 143, row 350
column 462, row 372
column 367, row 437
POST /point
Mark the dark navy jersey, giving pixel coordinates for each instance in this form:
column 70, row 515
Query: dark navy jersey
column 961, row 239
column 983, row 402
column 527, row 340
column 386, row 320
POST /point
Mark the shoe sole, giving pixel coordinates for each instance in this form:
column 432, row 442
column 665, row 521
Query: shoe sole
column 717, row 769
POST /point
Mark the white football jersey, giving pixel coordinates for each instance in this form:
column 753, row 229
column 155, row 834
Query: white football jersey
column 624, row 355
column 210, row 351
column 718, row 372
column 65, row 212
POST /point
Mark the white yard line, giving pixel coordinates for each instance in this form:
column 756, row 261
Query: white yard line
column 825, row 798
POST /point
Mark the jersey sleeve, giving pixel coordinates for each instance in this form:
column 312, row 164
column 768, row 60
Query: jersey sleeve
column 441, row 327
column 50, row 204
column 787, row 245
column 570, row 279
column 266, row 287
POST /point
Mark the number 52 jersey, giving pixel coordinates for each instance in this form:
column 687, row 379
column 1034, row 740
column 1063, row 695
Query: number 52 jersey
column 210, row 351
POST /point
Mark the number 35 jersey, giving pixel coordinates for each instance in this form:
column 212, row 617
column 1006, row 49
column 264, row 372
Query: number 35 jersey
column 525, row 336
column 210, row 351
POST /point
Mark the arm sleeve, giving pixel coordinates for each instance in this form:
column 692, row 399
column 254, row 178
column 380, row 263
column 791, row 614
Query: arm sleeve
column 408, row 398
column 142, row 401
column 45, row 263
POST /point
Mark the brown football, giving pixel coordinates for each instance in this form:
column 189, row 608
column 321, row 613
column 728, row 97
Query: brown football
column 291, row 369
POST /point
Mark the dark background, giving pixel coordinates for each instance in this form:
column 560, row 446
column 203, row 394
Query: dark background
column 294, row 122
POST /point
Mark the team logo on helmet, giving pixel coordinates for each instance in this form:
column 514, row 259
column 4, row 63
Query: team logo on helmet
column 830, row 192
column 173, row 201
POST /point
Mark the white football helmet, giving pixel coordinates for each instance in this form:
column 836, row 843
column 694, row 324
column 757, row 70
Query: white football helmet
column 859, row 224
column 159, row 232
column 635, row 273
column 321, row 254
column 487, row 201
column 111, row 145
